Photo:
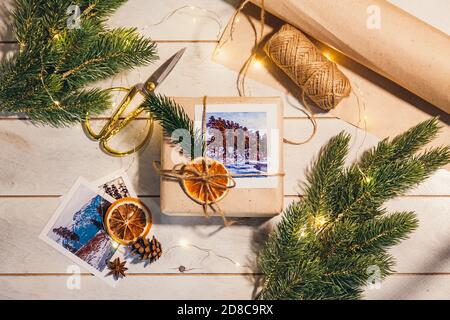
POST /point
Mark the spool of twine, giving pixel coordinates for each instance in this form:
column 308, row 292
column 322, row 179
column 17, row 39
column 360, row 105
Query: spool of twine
column 318, row 77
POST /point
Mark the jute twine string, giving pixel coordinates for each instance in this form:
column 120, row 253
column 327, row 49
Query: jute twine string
column 242, row 76
column 318, row 78
column 243, row 72
column 182, row 172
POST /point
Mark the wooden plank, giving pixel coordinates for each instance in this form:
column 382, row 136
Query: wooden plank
column 412, row 287
column 427, row 250
column 30, row 153
column 194, row 20
column 49, row 163
column 6, row 30
column 7, row 50
column 21, row 221
column 158, row 287
column 198, row 287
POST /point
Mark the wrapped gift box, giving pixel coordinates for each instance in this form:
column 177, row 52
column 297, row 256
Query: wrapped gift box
column 260, row 151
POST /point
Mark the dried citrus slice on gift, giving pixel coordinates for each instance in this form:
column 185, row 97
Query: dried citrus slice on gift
column 208, row 182
column 127, row 219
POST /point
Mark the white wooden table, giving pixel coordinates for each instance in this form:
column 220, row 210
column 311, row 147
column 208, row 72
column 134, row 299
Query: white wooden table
column 39, row 164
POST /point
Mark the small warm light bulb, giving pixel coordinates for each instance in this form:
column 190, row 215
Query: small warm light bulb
column 184, row 243
column 367, row 179
column 319, row 221
column 328, row 55
column 56, row 36
column 115, row 245
column 57, row 103
column 257, row 64
column 302, row 234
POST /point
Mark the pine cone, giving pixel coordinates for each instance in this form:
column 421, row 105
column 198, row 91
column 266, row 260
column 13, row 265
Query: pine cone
column 147, row 250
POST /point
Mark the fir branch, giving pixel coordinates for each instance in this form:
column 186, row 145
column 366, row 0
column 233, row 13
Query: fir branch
column 176, row 123
column 100, row 8
column 401, row 146
column 326, row 170
column 108, row 54
column 382, row 233
column 304, row 259
column 55, row 64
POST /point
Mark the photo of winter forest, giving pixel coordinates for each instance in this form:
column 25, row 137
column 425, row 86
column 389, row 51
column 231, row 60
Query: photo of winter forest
column 79, row 229
column 239, row 140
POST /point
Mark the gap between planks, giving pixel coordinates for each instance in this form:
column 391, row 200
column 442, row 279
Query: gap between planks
column 12, row 118
column 86, row 274
column 248, row 274
column 157, row 41
column 153, row 196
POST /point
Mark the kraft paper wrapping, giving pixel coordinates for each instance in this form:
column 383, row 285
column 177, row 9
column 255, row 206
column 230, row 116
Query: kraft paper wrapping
column 387, row 106
column 240, row 202
column 404, row 49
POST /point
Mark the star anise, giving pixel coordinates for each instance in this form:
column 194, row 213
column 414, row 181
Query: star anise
column 117, row 268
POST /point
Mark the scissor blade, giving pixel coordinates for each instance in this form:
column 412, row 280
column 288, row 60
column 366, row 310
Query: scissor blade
column 164, row 70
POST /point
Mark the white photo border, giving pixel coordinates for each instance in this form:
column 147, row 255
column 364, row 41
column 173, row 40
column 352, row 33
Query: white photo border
column 50, row 224
column 273, row 138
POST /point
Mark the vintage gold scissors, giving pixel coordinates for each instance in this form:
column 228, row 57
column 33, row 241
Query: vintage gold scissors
column 115, row 124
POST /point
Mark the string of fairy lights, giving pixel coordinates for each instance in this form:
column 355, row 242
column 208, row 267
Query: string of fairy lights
column 257, row 64
column 319, row 220
column 195, row 13
column 185, row 244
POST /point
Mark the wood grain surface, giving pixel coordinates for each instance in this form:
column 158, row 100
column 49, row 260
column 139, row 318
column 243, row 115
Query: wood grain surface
column 39, row 164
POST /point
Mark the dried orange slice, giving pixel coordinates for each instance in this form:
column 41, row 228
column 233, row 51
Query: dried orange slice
column 211, row 189
column 127, row 219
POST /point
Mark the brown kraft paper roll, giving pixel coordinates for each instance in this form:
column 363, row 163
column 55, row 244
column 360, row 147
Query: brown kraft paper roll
column 404, row 49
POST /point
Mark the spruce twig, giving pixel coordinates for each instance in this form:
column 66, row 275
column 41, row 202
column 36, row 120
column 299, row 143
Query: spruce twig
column 176, row 123
column 47, row 78
column 326, row 243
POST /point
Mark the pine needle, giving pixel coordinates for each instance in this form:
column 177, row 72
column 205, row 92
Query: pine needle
column 47, row 79
column 334, row 259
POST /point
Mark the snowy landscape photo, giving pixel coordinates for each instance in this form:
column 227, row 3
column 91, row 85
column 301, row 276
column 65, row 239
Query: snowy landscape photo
column 116, row 185
column 242, row 137
column 238, row 140
column 76, row 229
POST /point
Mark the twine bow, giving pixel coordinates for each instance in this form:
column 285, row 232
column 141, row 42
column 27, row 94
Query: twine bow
column 182, row 173
column 187, row 172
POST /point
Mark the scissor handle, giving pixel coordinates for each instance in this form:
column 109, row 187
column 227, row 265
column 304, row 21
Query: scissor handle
column 130, row 117
column 114, row 126
column 114, row 152
column 131, row 93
